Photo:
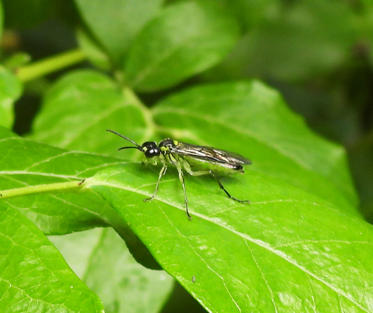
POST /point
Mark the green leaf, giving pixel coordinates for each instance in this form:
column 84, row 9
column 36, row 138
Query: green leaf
column 77, row 110
column 249, row 12
column 10, row 90
column 27, row 163
column 252, row 119
column 299, row 245
column 284, row 252
column 30, row 169
column 34, row 276
column 115, row 23
column 298, row 41
column 16, row 60
column 121, row 283
column 185, row 39
column 77, row 248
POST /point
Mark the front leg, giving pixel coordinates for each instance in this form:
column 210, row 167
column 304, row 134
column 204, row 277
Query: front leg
column 161, row 173
column 181, row 178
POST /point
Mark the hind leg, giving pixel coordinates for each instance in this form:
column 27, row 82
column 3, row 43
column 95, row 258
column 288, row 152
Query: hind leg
column 225, row 190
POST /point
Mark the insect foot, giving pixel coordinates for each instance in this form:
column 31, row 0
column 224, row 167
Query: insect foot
column 148, row 199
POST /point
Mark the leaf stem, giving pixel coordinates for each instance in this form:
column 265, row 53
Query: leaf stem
column 15, row 192
column 50, row 65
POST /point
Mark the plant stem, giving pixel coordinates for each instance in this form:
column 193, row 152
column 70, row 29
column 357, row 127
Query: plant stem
column 15, row 192
column 50, row 65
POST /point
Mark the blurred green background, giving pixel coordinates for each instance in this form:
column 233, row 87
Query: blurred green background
column 317, row 53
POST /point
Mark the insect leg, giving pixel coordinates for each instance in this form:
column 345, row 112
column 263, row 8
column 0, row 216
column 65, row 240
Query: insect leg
column 189, row 170
column 181, row 178
column 161, row 173
column 225, row 190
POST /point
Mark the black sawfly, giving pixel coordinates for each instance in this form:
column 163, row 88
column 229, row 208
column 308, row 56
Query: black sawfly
column 193, row 159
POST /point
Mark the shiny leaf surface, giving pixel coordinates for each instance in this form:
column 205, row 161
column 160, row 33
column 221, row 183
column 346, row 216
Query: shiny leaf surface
column 173, row 46
column 101, row 259
column 50, row 285
column 115, row 23
column 79, row 107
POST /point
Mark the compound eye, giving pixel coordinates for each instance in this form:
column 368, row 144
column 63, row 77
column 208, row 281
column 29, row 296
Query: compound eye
column 154, row 151
column 150, row 149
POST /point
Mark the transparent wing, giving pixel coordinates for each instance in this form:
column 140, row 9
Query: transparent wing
column 210, row 154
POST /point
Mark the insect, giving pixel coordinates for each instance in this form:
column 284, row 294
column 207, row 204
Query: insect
column 188, row 157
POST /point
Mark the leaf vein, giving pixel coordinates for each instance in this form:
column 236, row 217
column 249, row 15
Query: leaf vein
column 263, row 276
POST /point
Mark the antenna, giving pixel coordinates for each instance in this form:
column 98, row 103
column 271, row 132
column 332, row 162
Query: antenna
column 137, row 146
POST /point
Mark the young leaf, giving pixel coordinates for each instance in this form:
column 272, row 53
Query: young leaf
column 10, row 90
column 185, row 39
column 80, row 106
column 122, row 284
column 115, row 23
column 33, row 275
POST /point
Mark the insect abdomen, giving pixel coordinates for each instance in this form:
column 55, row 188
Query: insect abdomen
column 219, row 168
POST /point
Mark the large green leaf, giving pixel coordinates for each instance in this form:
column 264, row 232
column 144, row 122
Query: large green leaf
column 185, row 39
column 101, row 259
column 285, row 252
column 34, row 167
column 116, row 22
column 78, row 247
column 79, row 107
column 298, row 41
column 298, row 246
column 27, row 163
column 10, row 90
column 33, row 275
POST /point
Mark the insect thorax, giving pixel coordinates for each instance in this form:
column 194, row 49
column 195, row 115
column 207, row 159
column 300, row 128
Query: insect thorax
column 166, row 145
